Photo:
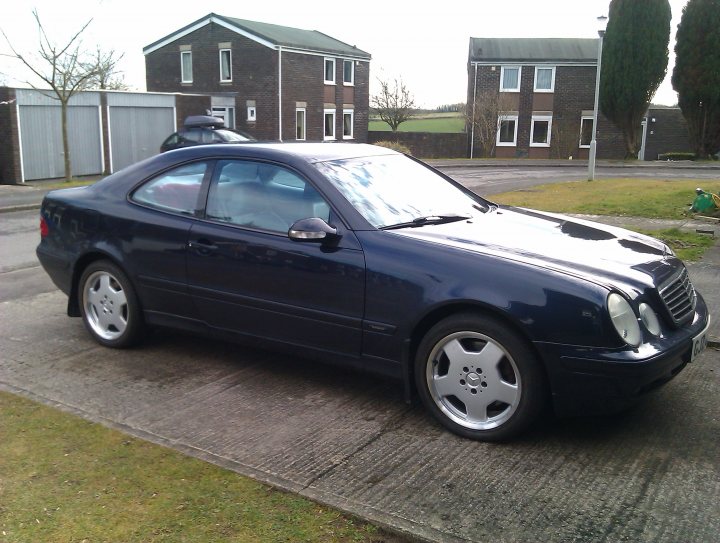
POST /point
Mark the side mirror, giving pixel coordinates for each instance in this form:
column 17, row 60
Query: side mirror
column 312, row 229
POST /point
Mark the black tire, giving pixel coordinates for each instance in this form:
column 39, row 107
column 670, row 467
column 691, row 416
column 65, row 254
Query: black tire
column 109, row 306
column 479, row 378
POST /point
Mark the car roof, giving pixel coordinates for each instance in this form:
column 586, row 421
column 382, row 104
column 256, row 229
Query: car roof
column 306, row 152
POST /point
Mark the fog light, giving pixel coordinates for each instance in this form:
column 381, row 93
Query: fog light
column 650, row 319
column 624, row 319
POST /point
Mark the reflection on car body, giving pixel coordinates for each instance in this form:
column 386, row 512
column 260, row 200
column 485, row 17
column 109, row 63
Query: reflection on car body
column 358, row 255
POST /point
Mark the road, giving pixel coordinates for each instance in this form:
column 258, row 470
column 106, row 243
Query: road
column 348, row 440
column 490, row 180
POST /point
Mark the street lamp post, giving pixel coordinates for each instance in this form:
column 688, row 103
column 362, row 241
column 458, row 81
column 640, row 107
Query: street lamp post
column 593, row 141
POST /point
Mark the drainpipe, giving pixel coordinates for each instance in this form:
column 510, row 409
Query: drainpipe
column 280, row 93
column 472, row 121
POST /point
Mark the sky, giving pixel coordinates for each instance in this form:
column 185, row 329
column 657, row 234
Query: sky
column 426, row 45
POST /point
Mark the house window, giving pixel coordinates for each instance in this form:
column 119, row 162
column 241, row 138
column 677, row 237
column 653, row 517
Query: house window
column 348, row 72
column 348, row 121
column 329, row 71
column 300, row 123
column 507, row 131
column 186, row 75
column 544, row 79
column 225, row 65
column 540, row 130
column 252, row 114
column 586, row 131
column 510, row 78
column 329, row 133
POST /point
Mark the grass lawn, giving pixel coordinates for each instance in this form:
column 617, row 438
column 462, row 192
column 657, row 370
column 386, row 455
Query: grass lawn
column 688, row 246
column 64, row 479
column 430, row 123
column 652, row 198
column 634, row 197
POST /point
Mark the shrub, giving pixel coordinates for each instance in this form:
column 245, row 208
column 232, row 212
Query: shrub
column 395, row 146
column 676, row 156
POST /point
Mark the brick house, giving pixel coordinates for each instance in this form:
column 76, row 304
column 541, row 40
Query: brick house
column 545, row 89
column 274, row 82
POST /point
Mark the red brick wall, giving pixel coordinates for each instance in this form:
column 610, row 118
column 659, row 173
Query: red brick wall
column 186, row 105
column 254, row 73
column 574, row 92
column 10, row 169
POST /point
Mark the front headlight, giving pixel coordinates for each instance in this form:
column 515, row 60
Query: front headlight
column 624, row 319
column 650, row 319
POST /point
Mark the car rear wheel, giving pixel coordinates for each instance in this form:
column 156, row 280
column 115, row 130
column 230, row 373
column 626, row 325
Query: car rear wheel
column 479, row 378
column 109, row 305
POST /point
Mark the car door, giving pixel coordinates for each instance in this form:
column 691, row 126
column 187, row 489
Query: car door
column 156, row 236
column 246, row 275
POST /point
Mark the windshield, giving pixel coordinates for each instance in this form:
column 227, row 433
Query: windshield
column 394, row 189
column 230, row 135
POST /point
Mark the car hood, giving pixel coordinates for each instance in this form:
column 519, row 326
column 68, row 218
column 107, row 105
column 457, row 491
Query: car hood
column 610, row 256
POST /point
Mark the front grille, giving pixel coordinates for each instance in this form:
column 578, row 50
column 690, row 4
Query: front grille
column 679, row 297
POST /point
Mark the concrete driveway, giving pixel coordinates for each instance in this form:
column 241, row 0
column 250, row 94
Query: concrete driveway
column 348, row 440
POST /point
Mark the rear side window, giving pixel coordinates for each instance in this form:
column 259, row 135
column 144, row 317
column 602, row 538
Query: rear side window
column 177, row 190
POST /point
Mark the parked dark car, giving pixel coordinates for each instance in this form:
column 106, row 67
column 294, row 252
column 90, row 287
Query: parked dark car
column 202, row 130
column 359, row 255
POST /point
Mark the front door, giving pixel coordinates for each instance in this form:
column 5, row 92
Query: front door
column 245, row 275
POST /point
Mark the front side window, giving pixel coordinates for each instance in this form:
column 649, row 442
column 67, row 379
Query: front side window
column 509, row 78
column 544, row 79
column 348, row 115
column 348, row 72
column 300, row 124
column 329, row 71
column 329, row 129
column 177, row 190
column 225, row 65
column 586, row 131
column 507, row 130
column 394, row 189
column 540, row 131
column 262, row 196
column 186, row 75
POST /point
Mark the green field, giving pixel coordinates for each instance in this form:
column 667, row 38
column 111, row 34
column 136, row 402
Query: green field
column 433, row 122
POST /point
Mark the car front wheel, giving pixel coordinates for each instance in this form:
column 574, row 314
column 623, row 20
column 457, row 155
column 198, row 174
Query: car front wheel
column 479, row 378
column 109, row 306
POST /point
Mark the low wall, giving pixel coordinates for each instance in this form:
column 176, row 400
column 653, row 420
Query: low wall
column 426, row 144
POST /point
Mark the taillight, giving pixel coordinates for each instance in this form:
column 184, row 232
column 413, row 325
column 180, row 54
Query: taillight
column 44, row 230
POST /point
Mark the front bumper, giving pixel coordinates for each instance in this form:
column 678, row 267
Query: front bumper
column 595, row 381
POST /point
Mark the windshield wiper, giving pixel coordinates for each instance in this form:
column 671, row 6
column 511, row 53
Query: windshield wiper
column 428, row 219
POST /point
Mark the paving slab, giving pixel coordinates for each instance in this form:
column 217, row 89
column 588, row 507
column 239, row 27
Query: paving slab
column 348, row 440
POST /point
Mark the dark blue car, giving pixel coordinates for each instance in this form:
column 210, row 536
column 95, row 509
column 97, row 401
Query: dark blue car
column 358, row 255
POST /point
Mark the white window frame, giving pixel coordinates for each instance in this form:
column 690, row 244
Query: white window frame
column 304, row 123
column 541, row 118
column 512, row 143
column 502, row 78
column 350, row 112
column 552, row 79
column 329, row 81
column 327, row 112
column 585, row 118
column 350, row 83
column 251, row 114
column 183, row 76
column 220, row 53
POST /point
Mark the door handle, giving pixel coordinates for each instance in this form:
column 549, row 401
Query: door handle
column 203, row 245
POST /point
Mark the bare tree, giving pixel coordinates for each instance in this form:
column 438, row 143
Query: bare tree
column 565, row 137
column 60, row 67
column 107, row 75
column 483, row 118
column 394, row 103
